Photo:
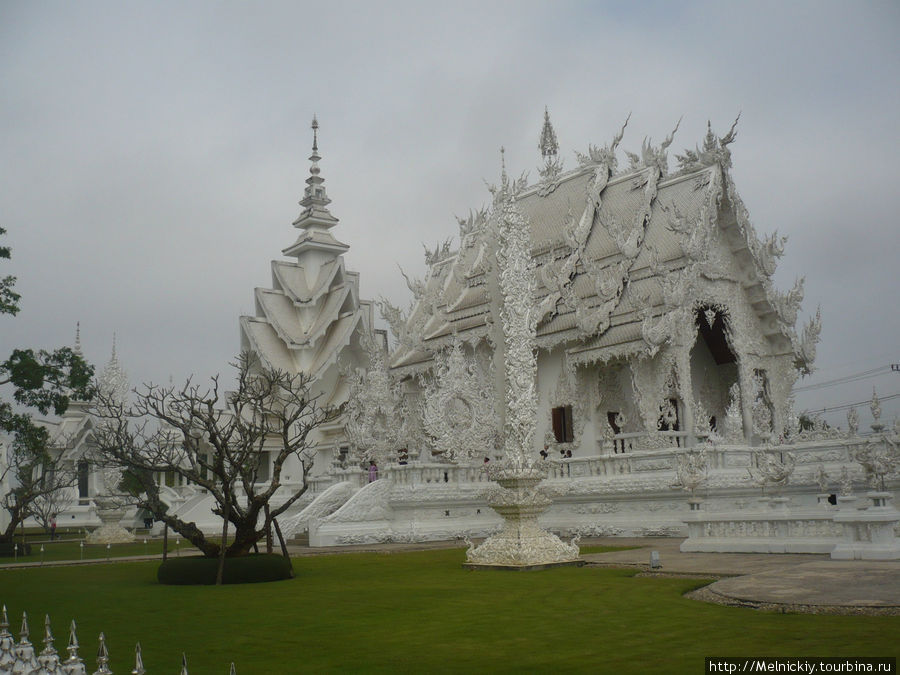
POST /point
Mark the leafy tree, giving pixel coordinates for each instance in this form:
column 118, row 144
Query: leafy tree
column 41, row 381
column 233, row 445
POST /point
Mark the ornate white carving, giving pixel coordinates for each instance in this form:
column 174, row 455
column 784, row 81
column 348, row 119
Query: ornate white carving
column 715, row 151
column 692, row 470
column 559, row 281
column 852, row 422
column 875, row 407
column 458, row 413
column 734, row 420
column 787, row 305
column 113, row 380
column 773, row 468
column 371, row 503
column 470, row 226
column 761, row 407
column 846, row 482
column 552, row 167
column 822, row 479
column 568, row 392
column 521, row 541
column 879, row 458
column 376, row 414
column 440, row 253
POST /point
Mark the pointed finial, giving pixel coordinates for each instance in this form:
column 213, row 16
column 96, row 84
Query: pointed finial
column 315, row 128
column 875, row 405
column 548, row 145
column 48, row 634
column 4, row 621
column 73, row 646
column 78, row 338
column 184, row 670
column 233, row 671
column 113, row 357
column 138, row 661
column 102, row 657
column 314, row 194
column 504, row 179
column 24, row 632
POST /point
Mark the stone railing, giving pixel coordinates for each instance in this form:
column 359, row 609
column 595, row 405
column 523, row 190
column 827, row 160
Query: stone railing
column 21, row 657
column 418, row 474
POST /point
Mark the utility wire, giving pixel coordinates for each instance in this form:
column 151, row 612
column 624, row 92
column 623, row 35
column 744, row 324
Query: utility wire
column 847, row 406
column 846, row 379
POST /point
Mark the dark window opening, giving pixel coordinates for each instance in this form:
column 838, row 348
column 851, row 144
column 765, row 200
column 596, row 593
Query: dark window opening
column 714, row 335
column 84, row 470
column 563, row 430
column 618, row 444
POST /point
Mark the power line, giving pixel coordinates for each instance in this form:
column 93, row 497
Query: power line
column 846, row 379
column 847, row 406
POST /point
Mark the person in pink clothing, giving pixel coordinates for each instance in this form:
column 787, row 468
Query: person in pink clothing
column 373, row 471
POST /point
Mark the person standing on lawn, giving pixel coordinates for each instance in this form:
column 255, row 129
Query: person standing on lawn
column 52, row 527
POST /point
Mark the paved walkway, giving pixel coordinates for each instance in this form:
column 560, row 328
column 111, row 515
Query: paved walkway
column 773, row 581
column 783, row 582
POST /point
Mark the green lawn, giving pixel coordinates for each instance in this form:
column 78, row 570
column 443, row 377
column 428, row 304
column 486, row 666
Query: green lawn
column 70, row 549
column 421, row 612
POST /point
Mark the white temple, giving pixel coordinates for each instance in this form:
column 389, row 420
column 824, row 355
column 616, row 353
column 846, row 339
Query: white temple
column 666, row 357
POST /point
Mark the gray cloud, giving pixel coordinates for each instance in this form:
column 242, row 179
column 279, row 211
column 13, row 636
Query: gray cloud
column 153, row 154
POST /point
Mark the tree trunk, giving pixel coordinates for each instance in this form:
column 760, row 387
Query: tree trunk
column 268, row 530
column 221, row 571
column 165, row 542
column 284, row 550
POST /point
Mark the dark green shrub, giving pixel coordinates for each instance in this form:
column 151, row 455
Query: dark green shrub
column 7, row 550
column 250, row 569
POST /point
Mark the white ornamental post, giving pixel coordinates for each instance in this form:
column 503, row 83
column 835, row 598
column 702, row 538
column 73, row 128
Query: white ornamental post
column 521, row 543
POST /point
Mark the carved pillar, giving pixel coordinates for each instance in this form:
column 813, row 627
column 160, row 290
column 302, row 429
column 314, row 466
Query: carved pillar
column 745, row 379
column 646, row 381
column 685, row 386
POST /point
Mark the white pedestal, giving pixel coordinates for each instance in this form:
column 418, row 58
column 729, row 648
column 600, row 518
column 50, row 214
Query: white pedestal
column 521, row 544
column 869, row 533
column 110, row 531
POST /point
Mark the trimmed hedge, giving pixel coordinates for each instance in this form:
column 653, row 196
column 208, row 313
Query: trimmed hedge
column 8, row 549
column 249, row 569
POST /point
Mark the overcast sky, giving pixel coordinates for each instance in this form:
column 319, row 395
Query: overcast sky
column 152, row 154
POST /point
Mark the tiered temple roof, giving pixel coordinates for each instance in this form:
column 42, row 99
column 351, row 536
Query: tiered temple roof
column 615, row 252
column 313, row 310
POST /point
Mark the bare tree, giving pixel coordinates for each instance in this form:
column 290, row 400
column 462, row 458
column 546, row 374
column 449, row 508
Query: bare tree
column 219, row 442
column 50, row 503
column 33, row 478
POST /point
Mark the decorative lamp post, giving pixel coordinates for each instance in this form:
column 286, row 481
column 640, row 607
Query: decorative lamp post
column 521, row 542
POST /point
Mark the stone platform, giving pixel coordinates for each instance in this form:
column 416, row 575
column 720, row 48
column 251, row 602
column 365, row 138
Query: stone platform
column 808, row 583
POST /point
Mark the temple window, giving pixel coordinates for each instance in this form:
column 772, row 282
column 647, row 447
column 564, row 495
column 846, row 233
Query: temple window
column 616, row 422
column 563, row 430
column 711, row 326
column 84, row 471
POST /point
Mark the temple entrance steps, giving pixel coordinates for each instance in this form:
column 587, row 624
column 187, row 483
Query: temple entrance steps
column 323, row 505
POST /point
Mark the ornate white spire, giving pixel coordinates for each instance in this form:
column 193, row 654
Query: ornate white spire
column 548, row 145
column 77, row 348
column 315, row 188
column 553, row 165
column 315, row 217
column 113, row 380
